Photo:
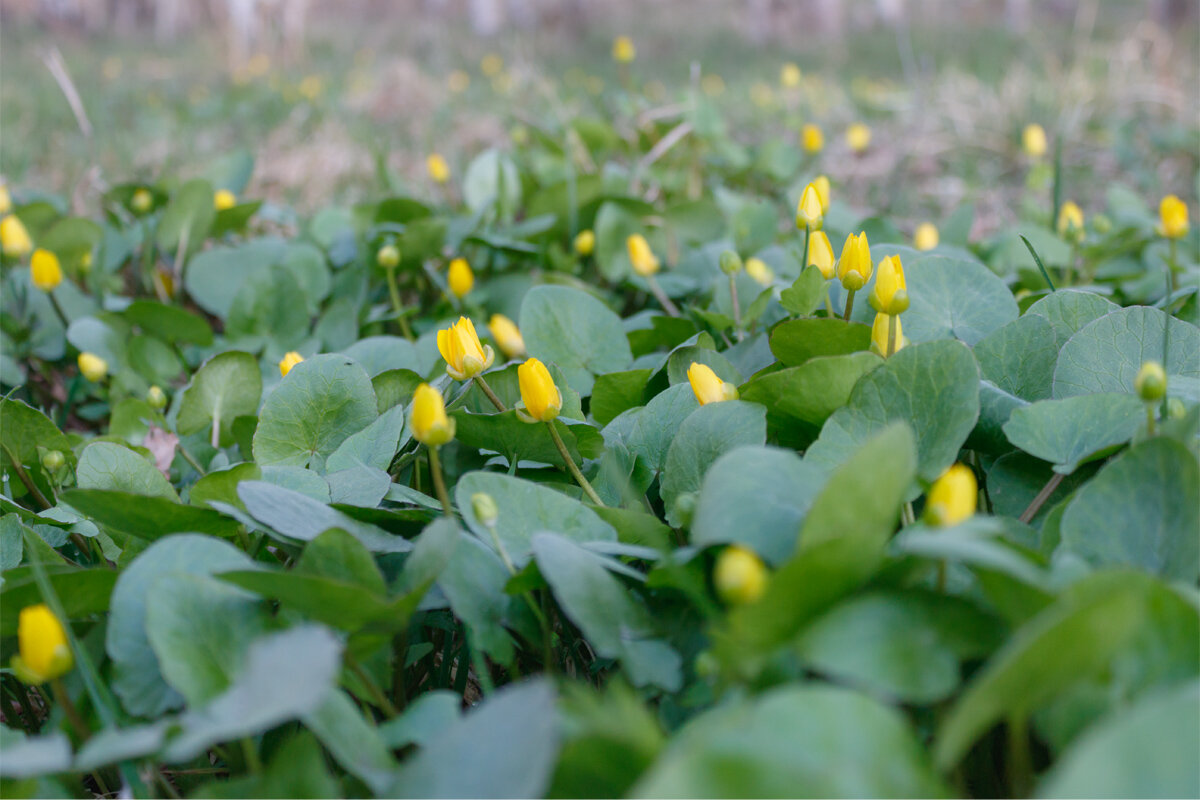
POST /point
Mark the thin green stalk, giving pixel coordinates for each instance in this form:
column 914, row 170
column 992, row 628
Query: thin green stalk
column 849, row 304
column 376, row 693
column 828, row 301
column 62, row 317
column 483, row 386
column 1031, row 511
column 1167, row 324
column 737, row 311
column 579, row 478
column 1151, row 420
column 804, row 260
column 190, row 459
column 1020, row 760
column 439, row 482
column 30, row 486
column 891, row 342
column 253, row 761
column 1037, row 260
column 397, row 305
column 661, row 296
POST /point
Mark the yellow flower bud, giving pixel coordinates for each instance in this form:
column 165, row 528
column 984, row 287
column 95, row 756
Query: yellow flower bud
column 854, row 267
column 820, row 254
column 926, row 236
column 224, row 199
column 952, row 498
column 460, row 278
column 1151, row 382
column 430, row 425
column 142, row 201
column 1033, row 140
column 757, row 269
column 808, row 213
column 585, row 243
column 541, row 397
column 288, row 361
column 891, row 292
column 812, row 139
column 465, row 356
column 458, row 81
column 821, row 184
column 858, row 137
column 388, row 256
column 1070, row 222
column 789, row 76
column 44, row 270
column 491, row 65
column 43, row 651
column 156, row 398
column 740, row 575
column 507, row 336
column 1173, row 217
column 14, row 239
column 708, row 387
column 437, row 167
column 5, row 199
column 483, row 505
column 53, row 460
column 623, row 50
column 93, row 367
column 879, row 335
column 645, row 263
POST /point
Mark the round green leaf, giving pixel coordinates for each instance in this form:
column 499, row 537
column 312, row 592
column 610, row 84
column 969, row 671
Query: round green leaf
column 575, row 331
column 227, row 386
column 187, row 218
column 813, row 390
column 323, row 400
column 1075, row 430
column 1068, row 310
column 104, row 465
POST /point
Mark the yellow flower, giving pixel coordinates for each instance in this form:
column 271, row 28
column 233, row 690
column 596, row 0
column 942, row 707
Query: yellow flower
column 740, row 575
column 820, row 254
column 789, row 76
column 952, row 498
column 1173, row 216
column 541, row 397
column 1151, row 382
column 585, row 243
column 44, row 270
column 142, row 201
column 1033, row 140
column 879, row 335
column 645, row 263
column 458, row 81
column 812, row 139
column 437, row 167
column 491, row 65
column 224, row 199
column 43, row 651
column 854, row 267
column 465, row 356
column 93, row 367
column 891, row 292
column 5, row 199
column 808, row 212
column 858, row 137
column 507, row 336
column 310, row 87
column 926, row 236
column 1070, row 222
column 623, row 50
column 708, row 387
column 288, row 361
column 14, row 239
column 821, row 184
column 430, row 425
column 757, row 269
column 460, row 277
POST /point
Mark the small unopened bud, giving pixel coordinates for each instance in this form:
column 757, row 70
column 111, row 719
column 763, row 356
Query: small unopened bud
column 1175, row 408
column 53, row 460
column 388, row 256
column 685, row 508
column 731, row 263
column 1101, row 223
column 141, row 201
column 156, row 398
column 484, row 508
column 1151, row 381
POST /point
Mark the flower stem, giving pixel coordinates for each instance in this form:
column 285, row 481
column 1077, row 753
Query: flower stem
column 661, row 296
column 58, row 310
column 737, row 311
column 804, row 260
column 1150, row 419
column 828, row 303
column 849, row 304
column 439, row 483
column 582, row 481
column 376, row 693
column 64, row 700
column 397, row 306
column 891, row 343
column 1042, row 496
column 483, row 385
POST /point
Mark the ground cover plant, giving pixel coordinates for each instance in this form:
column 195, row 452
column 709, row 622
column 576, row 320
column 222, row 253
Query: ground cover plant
column 619, row 459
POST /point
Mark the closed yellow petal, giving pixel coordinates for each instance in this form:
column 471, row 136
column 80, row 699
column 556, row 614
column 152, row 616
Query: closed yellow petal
column 42, row 644
column 428, row 419
column 953, row 497
column 541, row 397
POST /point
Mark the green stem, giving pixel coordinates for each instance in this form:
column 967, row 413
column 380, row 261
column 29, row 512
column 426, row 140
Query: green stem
column 1151, row 421
column 62, row 317
column 377, row 694
column 737, row 311
column 1167, row 324
column 251, row 755
column 1020, row 762
column 804, row 261
column 397, row 306
column 30, row 486
column 849, row 304
column 828, row 302
column 582, row 481
column 190, row 459
column 439, row 483
column 68, row 706
column 661, row 296
column 1029, row 513
column 891, row 343
column 483, row 385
